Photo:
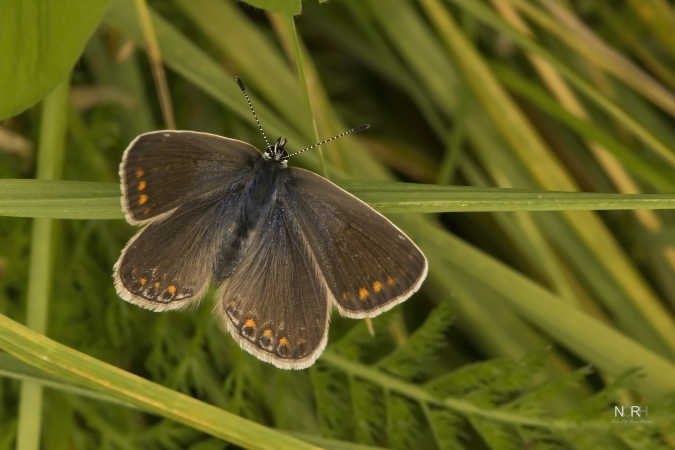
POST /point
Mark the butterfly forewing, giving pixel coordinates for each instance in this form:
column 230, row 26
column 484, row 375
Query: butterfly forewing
column 164, row 169
column 275, row 303
column 369, row 264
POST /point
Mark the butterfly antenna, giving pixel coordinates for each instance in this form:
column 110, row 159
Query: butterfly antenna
column 359, row 129
column 250, row 106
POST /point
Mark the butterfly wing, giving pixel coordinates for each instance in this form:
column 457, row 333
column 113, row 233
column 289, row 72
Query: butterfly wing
column 275, row 302
column 368, row 263
column 164, row 169
column 169, row 263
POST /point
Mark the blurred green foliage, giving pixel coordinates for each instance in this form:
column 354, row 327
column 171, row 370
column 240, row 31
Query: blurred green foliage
column 530, row 327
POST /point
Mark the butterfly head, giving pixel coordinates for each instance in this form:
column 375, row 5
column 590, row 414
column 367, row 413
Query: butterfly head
column 277, row 152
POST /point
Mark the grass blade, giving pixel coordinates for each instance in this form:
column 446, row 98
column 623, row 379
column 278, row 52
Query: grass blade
column 537, row 157
column 67, row 364
column 91, row 200
column 49, row 167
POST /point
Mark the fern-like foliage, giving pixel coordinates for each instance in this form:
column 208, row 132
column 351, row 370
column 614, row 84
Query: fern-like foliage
column 395, row 401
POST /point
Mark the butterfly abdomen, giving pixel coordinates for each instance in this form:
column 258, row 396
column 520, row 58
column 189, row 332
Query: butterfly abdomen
column 258, row 196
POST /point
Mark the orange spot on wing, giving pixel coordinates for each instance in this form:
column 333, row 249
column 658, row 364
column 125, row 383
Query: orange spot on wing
column 171, row 289
column 300, row 341
column 391, row 281
column 377, row 286
column 283, row 341
column 267, row 333
column 157, row 284
column 143, row 281
column 141, row 185
column 139, row 173
column 249, row 323
column 142, row 199
column 363, row 293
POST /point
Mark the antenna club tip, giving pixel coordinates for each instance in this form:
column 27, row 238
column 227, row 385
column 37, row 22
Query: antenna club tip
column 240, row 83
column 361, row 128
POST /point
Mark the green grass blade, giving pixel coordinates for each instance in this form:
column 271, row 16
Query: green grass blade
column 281, row 6
column 183, row 56
column 483, row 14
column 298, row 54
column 565, row 25
column 528, row 146
column 11, row 367
column 585, row 336
column 60, row 199
column 49, row 167
column 660, row 177
column 67, row 364
column 91, row 200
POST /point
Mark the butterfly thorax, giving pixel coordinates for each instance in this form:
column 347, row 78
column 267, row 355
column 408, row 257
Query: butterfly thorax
column 277, row 152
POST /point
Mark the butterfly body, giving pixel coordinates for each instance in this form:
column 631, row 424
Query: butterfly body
column 282, row 244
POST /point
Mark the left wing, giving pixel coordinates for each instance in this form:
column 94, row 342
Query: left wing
column 168, row 264
column 164, row 169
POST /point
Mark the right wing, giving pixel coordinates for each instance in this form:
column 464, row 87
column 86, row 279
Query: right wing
column 369, row 264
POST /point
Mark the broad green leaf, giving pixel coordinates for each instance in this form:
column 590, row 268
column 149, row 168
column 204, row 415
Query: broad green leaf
column 39, row 43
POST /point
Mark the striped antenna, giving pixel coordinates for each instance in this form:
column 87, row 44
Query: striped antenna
column 359, row 129
column 250, row 106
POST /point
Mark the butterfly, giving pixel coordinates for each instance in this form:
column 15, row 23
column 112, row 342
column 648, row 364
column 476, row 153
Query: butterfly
column 282, row 244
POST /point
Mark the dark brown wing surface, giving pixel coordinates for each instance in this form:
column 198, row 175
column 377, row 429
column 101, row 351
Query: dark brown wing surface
column 275, row 303
column 163, row 169
column 368, row 263
column 170, row 262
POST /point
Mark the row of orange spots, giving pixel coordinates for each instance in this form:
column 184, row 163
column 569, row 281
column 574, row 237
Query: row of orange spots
column 142, row 199
column 171, row 288
column 364, row 292
column 267, row 333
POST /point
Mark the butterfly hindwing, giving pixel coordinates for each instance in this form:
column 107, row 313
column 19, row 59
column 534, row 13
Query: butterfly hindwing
column 161, row 170
column 275, row 303
column 368, row 263
column 170, row 262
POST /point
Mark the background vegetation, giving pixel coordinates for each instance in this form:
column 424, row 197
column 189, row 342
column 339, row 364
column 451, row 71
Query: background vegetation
column 531, row 325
